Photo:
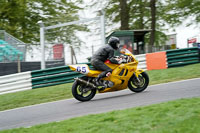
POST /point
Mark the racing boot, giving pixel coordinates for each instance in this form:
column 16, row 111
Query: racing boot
column 103, row 84
column 99, row 83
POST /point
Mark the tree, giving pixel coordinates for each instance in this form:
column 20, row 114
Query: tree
column 20, row 17
column 153, row 23
column 139, row 14
column 124, row 15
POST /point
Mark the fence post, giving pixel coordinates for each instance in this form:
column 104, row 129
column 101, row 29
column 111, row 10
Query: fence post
column 42, row 36
column 18, row 64
column 102, row 23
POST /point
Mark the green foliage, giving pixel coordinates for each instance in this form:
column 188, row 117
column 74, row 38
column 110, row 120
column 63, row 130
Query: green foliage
column 180, row 116
column 177, row 11
column 16, row 18
column 140, row 14
column 20, row 17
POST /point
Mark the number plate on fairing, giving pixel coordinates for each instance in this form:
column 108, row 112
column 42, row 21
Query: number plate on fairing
column 84, row 69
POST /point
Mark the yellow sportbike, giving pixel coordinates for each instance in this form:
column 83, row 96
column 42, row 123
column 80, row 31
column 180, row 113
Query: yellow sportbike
column 124, row 75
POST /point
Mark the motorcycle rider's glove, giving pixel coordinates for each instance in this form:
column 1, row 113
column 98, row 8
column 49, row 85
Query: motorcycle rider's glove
column 113, row 60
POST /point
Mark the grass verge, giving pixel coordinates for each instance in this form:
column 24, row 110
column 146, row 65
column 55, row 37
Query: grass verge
column 180, row 116
column 35, row 96
column 174, row 74
column 59, row 92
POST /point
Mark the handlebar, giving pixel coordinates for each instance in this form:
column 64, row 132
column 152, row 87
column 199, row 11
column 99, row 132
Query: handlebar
column 125, row 59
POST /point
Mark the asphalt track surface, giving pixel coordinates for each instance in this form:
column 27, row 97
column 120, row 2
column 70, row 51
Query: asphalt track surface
column 65, row 109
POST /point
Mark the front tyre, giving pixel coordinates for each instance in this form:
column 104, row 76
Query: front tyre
column 140, row 84
column 81, row 92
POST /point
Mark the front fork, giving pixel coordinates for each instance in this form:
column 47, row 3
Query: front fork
column 137, row 79
column 136, row 74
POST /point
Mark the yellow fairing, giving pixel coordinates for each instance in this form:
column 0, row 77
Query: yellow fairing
column 138, row 71
column 72, row 68
column 120, row 76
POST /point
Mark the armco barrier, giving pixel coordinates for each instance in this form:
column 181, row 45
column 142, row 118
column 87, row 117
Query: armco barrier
column 61, row 75
column 180, row 57
column 142, row 61
column 15, row 82
column 52, row 76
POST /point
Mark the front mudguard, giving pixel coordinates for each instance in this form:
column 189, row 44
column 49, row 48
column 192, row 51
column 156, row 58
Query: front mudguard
column 138, row 71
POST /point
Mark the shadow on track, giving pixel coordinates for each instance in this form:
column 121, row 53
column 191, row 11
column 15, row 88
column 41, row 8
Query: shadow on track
column 112, row 97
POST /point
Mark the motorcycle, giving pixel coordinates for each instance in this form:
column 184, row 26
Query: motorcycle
column 124, row 75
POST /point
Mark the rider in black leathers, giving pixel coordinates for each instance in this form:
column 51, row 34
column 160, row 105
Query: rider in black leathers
column 104, row 53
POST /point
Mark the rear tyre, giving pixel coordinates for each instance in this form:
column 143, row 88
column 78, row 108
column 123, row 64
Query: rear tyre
column 81, row 92
column 139, row 86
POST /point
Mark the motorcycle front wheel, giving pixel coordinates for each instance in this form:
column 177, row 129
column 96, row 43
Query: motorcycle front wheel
column 81, row 92
column 140, row 84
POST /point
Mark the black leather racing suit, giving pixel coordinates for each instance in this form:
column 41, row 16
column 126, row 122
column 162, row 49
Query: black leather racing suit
column 100, row 56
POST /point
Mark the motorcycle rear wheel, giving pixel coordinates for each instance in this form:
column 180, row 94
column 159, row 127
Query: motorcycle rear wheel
column 136, row 86
column 81, row 92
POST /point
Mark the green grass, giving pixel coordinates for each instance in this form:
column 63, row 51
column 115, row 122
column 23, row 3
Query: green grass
column 180, row 116
column 35, row 96
column 174, row 74
column 59, row 92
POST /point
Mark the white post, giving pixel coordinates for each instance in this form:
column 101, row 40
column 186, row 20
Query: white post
column 102, row 21
column 42, row 44
column 18, row 63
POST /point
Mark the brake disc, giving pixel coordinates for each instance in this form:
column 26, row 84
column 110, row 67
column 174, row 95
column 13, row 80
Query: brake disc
column 140, row 83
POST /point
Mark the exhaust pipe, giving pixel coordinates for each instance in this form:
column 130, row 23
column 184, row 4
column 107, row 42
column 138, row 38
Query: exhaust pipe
column 87, row 83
